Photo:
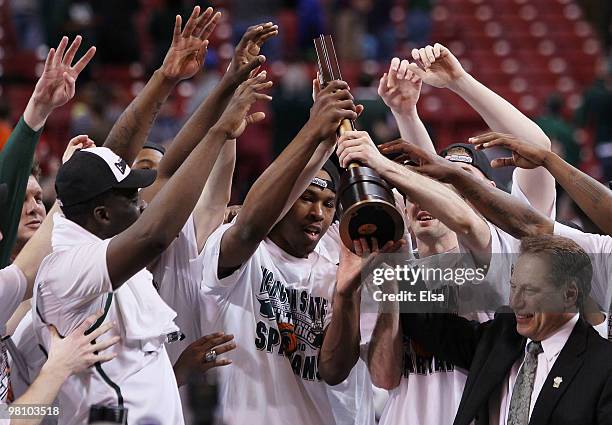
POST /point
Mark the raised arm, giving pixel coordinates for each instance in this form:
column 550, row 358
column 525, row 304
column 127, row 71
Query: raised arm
column 592, row 197
column 430, row 195
column 442, row 69
column 505, row 211
column 246, row 59
column 340, row 349
column 159, row 224
column 183, row 60
column 267, row 198
column 55, row 87
column 400, row 89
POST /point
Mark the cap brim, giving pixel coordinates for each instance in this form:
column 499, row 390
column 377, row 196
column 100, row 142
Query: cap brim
column 137, row 179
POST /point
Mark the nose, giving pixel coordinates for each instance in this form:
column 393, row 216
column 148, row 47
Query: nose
column 517, row 301
column 316, row 210
column 30, row 205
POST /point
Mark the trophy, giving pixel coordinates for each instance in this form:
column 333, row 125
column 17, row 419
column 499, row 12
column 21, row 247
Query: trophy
column 365, row 202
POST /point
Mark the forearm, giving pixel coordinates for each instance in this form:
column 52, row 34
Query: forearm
column 340, row 349
column 129, row 133
column 43, row 391
column 36, row 249
column 162, row 220
column 501, row 116
column 592, row 197
column 266, row 200
column 15, row 166
column 441, row 202
column 500, row 208
column 205, row 116
column 385, row 351
column 210, row 208
column 321, row 154
column 413, row 130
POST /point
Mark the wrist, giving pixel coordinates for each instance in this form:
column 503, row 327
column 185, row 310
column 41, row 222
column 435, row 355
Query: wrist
column 549, row 159
column 220, row 131
column 348, row 293
column 313, row 134
column 409, row 114
column 163, row 77
column 462, row 84
column 53, row 372
column 36, row 113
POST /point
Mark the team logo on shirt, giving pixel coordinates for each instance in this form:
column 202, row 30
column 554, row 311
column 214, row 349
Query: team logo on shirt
column 292, row 324
column 418, row 361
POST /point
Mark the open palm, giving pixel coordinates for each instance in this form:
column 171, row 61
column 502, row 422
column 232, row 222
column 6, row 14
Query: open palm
column 56, row 85
column 189, row 46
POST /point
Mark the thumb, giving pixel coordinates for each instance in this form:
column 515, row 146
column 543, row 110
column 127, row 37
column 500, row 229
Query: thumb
column 246, row 70
column 416, row 70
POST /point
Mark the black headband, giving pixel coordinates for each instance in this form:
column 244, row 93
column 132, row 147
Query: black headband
column 323, row 184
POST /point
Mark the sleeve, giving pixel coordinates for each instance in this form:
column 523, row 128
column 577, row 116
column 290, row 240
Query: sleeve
column 88, row 277
column 210, row 263
column 599, row 249
column 13, row 285
column 518, row 193
column 15, row 166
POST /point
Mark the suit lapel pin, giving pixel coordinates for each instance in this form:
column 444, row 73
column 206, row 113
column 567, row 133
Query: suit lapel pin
column 557, row 382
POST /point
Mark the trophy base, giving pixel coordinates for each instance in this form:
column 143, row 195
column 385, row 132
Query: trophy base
column 371, row 218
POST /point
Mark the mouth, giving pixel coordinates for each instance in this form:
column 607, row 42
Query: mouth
column 523, row 319
column 424, row 216
column 312, row 231
column 34, row 224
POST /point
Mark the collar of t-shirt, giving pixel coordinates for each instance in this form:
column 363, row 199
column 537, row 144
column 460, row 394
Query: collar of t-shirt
column 146, row 317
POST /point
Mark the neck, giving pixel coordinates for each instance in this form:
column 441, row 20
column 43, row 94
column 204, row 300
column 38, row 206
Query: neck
column 446, row 243
column 285, row 246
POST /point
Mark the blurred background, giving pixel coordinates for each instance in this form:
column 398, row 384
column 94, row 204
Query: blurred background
column 550, row 58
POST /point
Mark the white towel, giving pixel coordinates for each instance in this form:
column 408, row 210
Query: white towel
column 146, row 317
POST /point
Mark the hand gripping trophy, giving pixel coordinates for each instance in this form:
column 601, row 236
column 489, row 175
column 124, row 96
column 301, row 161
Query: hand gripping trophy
column 365, row 202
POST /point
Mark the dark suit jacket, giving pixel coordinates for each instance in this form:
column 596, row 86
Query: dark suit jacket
column 489, row 350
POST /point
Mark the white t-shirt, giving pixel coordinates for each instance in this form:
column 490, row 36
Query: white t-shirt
column 72, row 283
column 430, row 389
column 269, row 292
column 13, row 285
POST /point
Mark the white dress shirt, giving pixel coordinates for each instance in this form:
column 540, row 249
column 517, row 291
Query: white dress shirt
column 551, row 346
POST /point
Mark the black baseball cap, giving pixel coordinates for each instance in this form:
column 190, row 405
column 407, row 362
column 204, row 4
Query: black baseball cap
column 93, row 171
column 467, row 153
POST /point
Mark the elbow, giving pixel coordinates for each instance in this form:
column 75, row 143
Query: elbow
column 386, row 381
column 333, row 375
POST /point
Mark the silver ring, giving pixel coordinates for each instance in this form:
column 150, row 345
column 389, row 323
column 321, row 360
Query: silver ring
column 210, row 356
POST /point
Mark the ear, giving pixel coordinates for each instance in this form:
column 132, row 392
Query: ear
column 101, row 216
column 570, row 296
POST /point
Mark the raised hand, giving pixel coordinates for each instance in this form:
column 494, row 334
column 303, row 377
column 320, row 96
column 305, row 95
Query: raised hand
column 353, row 266
column 81, row 141
column 400, row 87
column 427, row 163
column 524, row 155
column 332, row 104
column 440, row 68
column 188, row 49
column 358, row 146
column 193, row 358
column 235, row 118
column 248, row 49
column 56, row 85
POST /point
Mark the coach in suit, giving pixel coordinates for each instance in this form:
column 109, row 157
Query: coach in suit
column 539, row 363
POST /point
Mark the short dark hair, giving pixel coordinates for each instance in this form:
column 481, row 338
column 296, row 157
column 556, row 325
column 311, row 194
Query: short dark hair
column 568, row 262
column 35, row 171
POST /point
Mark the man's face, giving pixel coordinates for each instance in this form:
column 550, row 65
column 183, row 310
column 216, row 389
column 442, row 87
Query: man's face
column 307, row 221
column 147, row 159
column 539, row 306
column 123, row 209
column 32, row 213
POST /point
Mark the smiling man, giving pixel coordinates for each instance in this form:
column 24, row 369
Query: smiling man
column 542, row 364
